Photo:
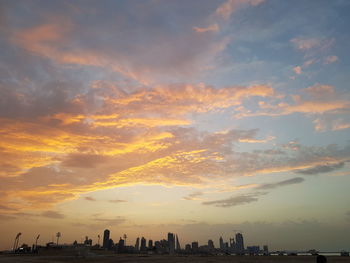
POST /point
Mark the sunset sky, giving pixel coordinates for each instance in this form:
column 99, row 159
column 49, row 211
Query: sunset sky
column 200, row 117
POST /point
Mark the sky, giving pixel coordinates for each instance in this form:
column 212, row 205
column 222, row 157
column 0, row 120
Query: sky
column 202, row 117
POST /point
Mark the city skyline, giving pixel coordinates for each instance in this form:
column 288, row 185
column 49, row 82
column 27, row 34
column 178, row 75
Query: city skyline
column 197, row 117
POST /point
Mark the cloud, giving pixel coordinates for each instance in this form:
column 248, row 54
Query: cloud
column 72, row 40
column 296, row 180
column 193, row 196
column 7, row 208
column 305, row 43
column 226, row 9
column 110, row 221
column 297, row 70
column 235, row 200
column 330, row 59
column 322, row 168
column 117, row 201
column 52, row 214
column 89, row 198
column 321, row 100
column 6, row 217
column 211, row 28
column 320, row 91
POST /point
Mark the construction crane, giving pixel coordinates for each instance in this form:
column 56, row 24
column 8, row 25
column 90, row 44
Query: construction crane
column 15, row 244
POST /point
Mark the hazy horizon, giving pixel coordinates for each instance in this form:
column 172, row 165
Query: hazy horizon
column 200, row 117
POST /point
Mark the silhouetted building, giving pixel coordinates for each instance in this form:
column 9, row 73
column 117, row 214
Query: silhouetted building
column 106, row 238
column 171, row 242
column 239, row 244
column 110, row 244
column 188, row 248
column 137, row 244
column 210, row 244
column 143, row 244
column 150, row 244
column 253, row 250
column 87, row 242
column 178, row 247
column 221, row 241
column 195, row 246
column 266, row 249
column 232, row 244
column 121, row 245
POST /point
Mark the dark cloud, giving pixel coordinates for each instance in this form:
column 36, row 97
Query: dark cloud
column 322, row 169
column 117, row 201
column 6, row 217
column 193, row 196
column 7, row 208
column 111, row 221
column 52, row 214
column 89, row 198
column 296, row 180
column 235, row 200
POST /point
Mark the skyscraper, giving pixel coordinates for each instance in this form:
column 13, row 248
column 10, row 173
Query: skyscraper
column 210, row 244
column 178, row 247
column 239, row 244
column 150, row 244
column 137, row 245
column 143, row 244
column 106, row 238
column 171, row 242
column 221, row 241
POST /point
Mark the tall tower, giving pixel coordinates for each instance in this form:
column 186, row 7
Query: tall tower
column 137, row 245
column 178, row 247
column 210, row 244
column 171, row 242
column 221, row 241
column 106, row 238
column 143, row 244
column 239, row 244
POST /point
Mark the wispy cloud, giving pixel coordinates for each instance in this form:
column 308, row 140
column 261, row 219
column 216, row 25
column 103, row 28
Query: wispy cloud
column 326, row 168
column 52, row 214
column 226, row 9
column 235, row 200
column 211, row 28
column 117, row 201
column 193, row 196
column 89, row 198
column 296, row 180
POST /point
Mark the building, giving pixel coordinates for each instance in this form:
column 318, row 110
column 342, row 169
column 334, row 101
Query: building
column 171, row 242
column 150, row 244
column 106, row 234
column 221, row 242
column 239, row 244
column 143, row 244
column 210, row 244
column 137, row 244
column 121, row 246
column 253, row 250
column 266, row 250
column 178, row 247
column 195, row 246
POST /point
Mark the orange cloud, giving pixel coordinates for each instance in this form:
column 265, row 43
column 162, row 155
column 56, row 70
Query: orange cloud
column 226, row 9
column 297, row 70
column 211, row 28
column 331, row 59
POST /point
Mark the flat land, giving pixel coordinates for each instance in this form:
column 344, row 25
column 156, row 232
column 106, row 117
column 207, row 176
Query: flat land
column 164, row 258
